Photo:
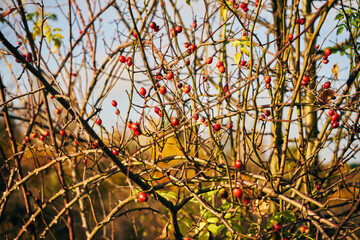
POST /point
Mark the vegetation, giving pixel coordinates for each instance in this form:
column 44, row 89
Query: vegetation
column 179, row 119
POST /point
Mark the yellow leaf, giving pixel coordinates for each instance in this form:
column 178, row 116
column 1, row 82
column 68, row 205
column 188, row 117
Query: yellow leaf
column 223, row 12
column 236, row 43
column 237, row 58
column 244, row 50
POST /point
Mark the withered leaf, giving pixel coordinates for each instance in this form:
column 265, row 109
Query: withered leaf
column 335, row 71
column 326, row 96
column 7, row 12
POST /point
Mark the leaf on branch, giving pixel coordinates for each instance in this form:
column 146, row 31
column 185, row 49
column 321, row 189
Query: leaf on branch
column 326, row 96
column 244, row 50
column 213, row 228
column 339, row 30
column 223, row 12
column 236, row 43
column 212, row 220
column 237, row 58
column 335, row 71
column 339, row 16
column 7, row 12
column 204, row 235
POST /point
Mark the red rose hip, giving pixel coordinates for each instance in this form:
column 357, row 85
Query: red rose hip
column 142, row 197
column 237, row 192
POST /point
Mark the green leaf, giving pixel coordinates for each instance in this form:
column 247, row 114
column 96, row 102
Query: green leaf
column 354, row 24
column 51, row 16
column 225, row 206
column 202, row 225
column 227, row 215
column 237, row 58
column 208, row 195
column 208, row 215
column 339, row 30
column 289, row 216
column 183, row 228
column 244, row 50
column 220, row 228
column 168, row 195
column 204, row 235
column 188, row 2
column 339, row 16
column 212, row 220
column 236, row 43
column 187, row 221
column 213, row 228
column 277, row 216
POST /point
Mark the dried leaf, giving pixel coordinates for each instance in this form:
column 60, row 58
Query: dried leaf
column 7, row 12
column 326, row 96
column 335, row 71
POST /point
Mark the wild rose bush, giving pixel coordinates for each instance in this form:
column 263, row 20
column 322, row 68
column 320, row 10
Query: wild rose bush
column 179, row 120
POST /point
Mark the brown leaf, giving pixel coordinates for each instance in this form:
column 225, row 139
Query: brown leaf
column 7, row 12
column 326, row 96
column 335, row 71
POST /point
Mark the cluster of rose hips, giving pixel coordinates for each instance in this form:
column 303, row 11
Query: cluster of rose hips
column 175, row 31
column 327, row 53
column 135, row 127
column 154, row 27
column 158, row 111
column 303, row 229
column 305, row 80
column 114, row 104
column 159, row 76
column 190, row 48
column 266, row 113
column 28, row 57
column 267, row 80
column 277, row 228
column 300, row 21
column 127, row 60
column 35, row 135
column 220, row 66
column 334, row 118
column 244, row 6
